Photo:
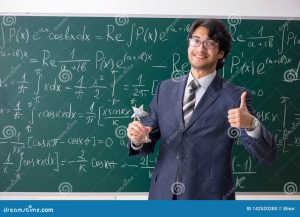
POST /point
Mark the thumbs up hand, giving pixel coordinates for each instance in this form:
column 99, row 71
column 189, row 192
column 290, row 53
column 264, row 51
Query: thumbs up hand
column 240, row 117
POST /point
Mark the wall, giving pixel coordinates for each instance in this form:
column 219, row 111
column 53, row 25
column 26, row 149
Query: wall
column 266, row 9
column 215, row 8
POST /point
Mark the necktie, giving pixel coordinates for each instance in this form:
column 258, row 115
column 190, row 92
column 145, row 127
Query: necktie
column 189, row 101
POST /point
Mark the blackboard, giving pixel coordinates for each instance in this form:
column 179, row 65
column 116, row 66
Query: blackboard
column 68, row 84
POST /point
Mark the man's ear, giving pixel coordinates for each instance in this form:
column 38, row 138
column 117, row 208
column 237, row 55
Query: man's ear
column 221, row 54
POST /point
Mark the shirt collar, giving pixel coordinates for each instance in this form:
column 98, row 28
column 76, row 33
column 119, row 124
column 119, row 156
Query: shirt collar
column 204, row 81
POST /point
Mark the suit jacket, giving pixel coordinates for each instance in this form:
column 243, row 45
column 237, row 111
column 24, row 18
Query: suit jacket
column 198, row 156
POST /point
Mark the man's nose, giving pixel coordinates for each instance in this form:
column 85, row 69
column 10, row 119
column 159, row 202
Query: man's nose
column 201, row 47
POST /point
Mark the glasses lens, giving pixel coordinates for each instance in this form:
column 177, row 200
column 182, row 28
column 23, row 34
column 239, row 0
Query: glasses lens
column 192, row 41
column 209, row 44
column 195, row 42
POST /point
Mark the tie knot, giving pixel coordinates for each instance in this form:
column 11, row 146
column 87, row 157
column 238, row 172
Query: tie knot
column 194, row 85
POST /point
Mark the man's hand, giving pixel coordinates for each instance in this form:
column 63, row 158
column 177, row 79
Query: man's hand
column 136, row 131
column 240, row 117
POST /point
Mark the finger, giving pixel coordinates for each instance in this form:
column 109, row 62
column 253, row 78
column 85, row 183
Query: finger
column 140, row 125
column 137, row 126
column 232, row 121
column 135, row 123
column 233, row 111
column 243, row 100
column 130, row 135
column 137, row 130
column 236, row 116
column 235, row 125
column 231, row 116
column 133, row 136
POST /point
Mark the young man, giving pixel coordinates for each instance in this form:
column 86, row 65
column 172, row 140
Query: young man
column 196, row 120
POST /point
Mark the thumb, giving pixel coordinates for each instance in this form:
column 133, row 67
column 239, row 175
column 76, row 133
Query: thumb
column 243, row 100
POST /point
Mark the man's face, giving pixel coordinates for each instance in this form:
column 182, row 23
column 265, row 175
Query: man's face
column 201, row 58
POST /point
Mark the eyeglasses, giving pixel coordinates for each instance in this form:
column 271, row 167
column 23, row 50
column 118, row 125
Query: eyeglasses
column 208, row 44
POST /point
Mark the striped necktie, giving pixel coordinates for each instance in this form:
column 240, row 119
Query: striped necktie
column 189, row 101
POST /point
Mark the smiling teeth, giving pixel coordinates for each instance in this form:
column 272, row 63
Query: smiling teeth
column 199, row 56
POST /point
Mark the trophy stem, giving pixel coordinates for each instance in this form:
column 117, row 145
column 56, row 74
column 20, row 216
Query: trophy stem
column 139, row 112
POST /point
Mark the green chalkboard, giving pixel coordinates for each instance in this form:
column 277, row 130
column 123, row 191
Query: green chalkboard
column 67, row 85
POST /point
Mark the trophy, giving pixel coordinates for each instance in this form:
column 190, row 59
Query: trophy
column 138, row 113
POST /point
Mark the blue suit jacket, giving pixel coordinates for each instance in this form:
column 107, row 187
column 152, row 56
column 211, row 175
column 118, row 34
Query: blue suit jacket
column 199, row 155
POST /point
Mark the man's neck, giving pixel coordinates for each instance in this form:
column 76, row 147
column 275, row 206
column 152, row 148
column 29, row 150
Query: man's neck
column 201, row 73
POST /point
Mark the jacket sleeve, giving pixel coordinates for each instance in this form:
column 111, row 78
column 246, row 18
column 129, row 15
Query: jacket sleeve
column 262, row 149
column 152, row 121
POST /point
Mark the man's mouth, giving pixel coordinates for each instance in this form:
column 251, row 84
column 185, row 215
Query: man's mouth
column 200, row 56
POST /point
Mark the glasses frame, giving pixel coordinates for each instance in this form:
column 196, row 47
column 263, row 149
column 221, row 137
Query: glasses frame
column 204, row 43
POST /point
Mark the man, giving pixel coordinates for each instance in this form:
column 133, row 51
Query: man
column 197, row 119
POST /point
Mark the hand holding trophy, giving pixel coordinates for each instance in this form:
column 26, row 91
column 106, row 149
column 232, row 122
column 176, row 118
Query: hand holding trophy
column 138, row 113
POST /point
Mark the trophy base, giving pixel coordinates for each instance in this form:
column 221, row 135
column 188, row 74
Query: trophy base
column 146, row 140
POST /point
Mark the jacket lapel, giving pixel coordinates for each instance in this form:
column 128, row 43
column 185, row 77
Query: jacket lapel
column 179, row 93
column 210, row 95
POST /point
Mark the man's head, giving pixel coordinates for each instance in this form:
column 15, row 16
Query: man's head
column 209, row 44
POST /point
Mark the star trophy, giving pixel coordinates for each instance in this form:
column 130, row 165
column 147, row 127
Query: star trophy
column 138, row 113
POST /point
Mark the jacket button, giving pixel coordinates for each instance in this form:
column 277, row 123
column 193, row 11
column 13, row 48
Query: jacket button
column 179, row 157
